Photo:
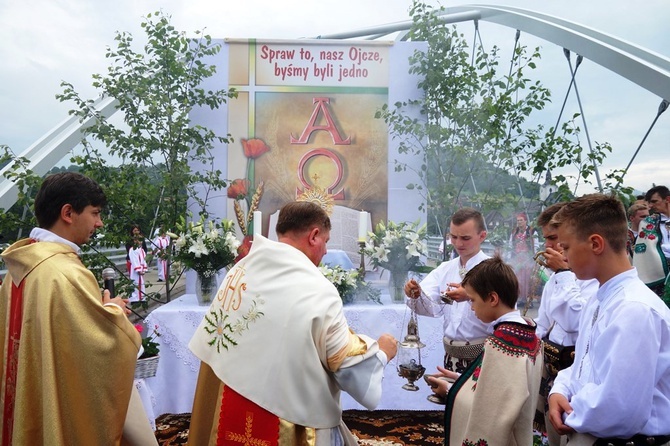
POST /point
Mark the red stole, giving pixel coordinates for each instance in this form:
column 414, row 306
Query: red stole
column 12, row 361
column 244, row 422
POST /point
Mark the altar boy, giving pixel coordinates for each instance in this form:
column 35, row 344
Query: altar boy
column 618, row 389
column 505, row 377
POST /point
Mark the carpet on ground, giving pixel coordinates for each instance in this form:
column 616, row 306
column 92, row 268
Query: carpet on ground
column 372, row 428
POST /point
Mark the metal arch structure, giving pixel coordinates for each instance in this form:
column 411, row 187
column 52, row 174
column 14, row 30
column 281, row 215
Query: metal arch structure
column 43, row 155
column 647, row 69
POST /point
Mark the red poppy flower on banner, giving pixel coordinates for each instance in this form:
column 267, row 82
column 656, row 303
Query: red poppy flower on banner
column 238, row 188
column 244, row 248
column 253, row 148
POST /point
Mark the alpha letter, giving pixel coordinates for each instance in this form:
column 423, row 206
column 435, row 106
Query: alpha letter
column 312, row 126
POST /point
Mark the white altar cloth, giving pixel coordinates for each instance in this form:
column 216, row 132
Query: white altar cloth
column 148, row 400
column 173, row 387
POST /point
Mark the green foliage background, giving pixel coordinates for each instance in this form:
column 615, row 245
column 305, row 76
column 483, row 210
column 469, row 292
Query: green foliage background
column 473, row 131
column 145, row 162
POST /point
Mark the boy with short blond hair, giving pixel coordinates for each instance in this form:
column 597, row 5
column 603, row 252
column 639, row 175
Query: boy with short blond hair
column 563, row 298
column 464, row 334
column 617, row 390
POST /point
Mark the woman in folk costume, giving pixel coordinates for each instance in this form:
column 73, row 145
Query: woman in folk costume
column 523, row 243
column 138, row 266
column 493, row 402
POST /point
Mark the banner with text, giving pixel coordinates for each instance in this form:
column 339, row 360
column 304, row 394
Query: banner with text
column 304, row 125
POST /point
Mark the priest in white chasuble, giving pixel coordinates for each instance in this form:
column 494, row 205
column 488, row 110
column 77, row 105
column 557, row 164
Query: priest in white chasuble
column 276, row 349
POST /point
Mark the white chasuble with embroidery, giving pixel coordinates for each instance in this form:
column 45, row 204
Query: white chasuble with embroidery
column 276, row 334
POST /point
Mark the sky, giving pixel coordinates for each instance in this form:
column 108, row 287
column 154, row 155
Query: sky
column 45, row 42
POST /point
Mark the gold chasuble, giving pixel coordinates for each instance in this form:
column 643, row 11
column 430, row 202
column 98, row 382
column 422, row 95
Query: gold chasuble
column 67, row 362
column 276, row 350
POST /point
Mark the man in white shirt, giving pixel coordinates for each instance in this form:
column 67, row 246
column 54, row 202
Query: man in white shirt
column 651, row 254
column 659, row 200
column 618, row 389
column 563, row 298
column 464, row 333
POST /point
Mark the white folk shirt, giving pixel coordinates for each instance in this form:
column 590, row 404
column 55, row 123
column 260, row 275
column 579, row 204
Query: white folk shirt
column 619, row 384
column 460, row 322
column 563, row 298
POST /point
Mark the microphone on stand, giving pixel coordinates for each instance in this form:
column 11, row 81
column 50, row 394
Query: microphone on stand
column 108, row 276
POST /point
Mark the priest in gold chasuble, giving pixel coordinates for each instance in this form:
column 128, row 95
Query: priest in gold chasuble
column 68, row 358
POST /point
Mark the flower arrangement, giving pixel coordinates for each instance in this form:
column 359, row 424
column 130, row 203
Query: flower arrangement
column 149, row 343
column 397, row 246
column 205, row 247
column 348, row 283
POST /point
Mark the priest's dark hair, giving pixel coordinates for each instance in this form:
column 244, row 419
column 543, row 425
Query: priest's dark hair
column 494, row 275
column 299, row 216
column 63, row 188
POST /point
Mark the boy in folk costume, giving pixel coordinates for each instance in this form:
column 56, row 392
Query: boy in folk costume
column 138, row 267
column 563, row 299
column 618, row 389
column 161, row 244
column 636, row 214
column 464, row 334
column 493, row 402
column 276, row 349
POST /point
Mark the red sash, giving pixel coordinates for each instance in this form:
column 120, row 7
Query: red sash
column 244, row 422
column 12, row 361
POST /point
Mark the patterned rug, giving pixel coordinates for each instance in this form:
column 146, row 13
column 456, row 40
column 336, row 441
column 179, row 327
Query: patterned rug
column 377, row 428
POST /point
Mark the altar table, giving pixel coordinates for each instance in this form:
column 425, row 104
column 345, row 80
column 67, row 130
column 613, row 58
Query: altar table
column 173, row 387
